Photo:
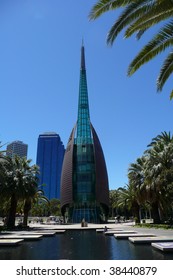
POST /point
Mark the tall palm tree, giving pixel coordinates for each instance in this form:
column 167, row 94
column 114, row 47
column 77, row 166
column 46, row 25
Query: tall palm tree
column 151, row 176
column 127, row 199
column 32, row 197
column 3, row 160
column 160, row 175
column 137, row 17
column 113, row 198
column 20, row 183
column 136, row 176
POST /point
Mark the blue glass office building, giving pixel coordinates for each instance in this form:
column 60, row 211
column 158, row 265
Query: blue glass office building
column 84, row 181
column 50, row 154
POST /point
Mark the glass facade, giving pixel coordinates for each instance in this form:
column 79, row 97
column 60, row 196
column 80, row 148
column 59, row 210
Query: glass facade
column 84, row 182
column 84, row 177
column 84, row 174
column 83, row 121
column 50, row 154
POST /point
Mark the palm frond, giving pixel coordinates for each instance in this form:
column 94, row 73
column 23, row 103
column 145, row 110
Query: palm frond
column 130, row 13
column 103, row 6
column 165, row 72
column 171, row 95
column 154, row 15
column 140, row 33
column 158, row 44
column 164, row 137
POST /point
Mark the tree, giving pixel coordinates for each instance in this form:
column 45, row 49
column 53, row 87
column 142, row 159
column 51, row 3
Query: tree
column 160, row 172
column 20, row 183
column 145, row 188
column 54, row 207
column 33, row 197
column 151, row 177
column 127, row 200
column 113, row 198
column 3, row 161
column 136, row 175
column 137, row 17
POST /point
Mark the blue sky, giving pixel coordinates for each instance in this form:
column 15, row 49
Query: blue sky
column 39, row 81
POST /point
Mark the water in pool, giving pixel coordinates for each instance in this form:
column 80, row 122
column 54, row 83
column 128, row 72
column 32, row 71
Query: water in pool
column 82, row 245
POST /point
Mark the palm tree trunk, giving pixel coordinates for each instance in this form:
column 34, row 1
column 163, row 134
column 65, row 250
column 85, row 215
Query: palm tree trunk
column 162, row 214
column 112, row 211
column 135, row 211
column 155, row 213
column 27, row 208
column 12, row 213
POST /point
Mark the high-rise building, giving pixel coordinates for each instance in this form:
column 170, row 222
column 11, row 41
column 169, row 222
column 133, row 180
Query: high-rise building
column 50, row 154
column 17, row 148
column 84, row 181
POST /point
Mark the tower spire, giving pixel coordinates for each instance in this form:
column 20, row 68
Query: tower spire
column 84, row 181
column 83, row 121
column 82, row 56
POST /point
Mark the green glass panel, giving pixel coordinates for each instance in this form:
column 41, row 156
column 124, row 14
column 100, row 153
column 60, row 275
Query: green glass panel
column 84, row 174
column 83, row 122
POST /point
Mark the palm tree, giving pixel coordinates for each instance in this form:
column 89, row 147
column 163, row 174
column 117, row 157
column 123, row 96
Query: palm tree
column 137, row 17
column 113, row 198
column 32, row 197
column 54, row 207
column 160, row 175
column 152, row 191
column 127, row 200
column 3, row 160
column 20, row 183
column 136, row 176
column 151, row 177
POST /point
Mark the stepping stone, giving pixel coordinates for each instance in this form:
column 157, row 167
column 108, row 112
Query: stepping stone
column 45, row 233
column 24, row 236
column 60, row 231
column 49, row 229
column 10, row 242
column 111, row 232
column 109, row 229
column 165, row 246
column 127, row 235
column 139, row 240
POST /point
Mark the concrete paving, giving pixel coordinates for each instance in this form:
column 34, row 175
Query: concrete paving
column 155, row 231
column 112, row 232
column 10, row 242
column 44, row 230
column 130, row 226
column 43, row 233
column 165, row 246
column 127, row 235
column 103, row 230
column 19, row 236
column 142, row 240
column 110, row 226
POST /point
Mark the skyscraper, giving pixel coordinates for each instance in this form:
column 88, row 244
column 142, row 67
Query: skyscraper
column 17, row 148
column 50, row 154
column 84, row 181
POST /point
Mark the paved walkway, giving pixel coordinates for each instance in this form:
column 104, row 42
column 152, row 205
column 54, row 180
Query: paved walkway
column 122, row 226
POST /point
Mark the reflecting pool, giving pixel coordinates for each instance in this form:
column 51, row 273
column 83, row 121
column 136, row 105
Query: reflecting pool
column 82, row 245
